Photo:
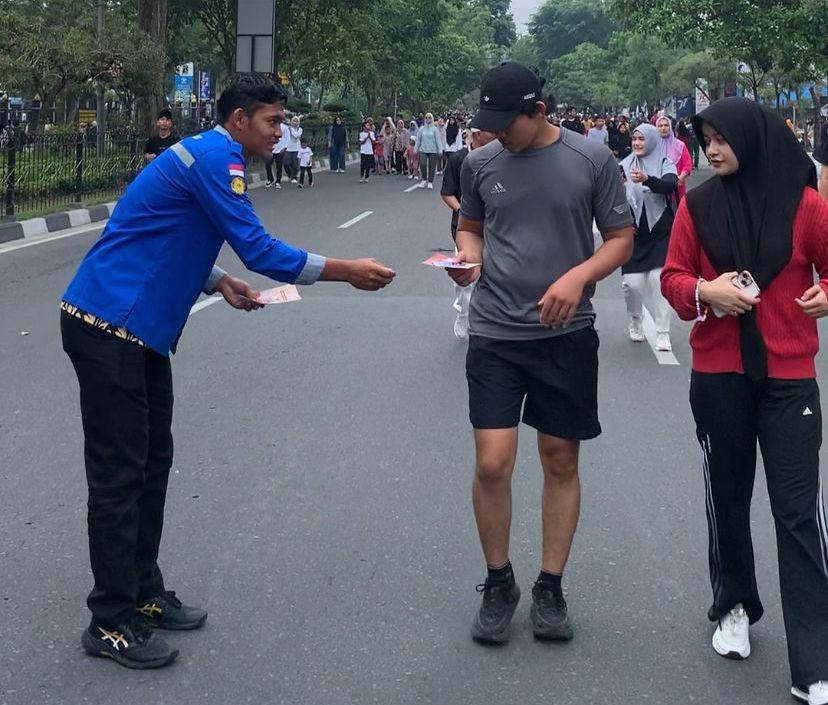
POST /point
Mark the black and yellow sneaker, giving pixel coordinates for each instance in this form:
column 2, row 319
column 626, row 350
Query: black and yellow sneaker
column 132, row 644
column 167, row 612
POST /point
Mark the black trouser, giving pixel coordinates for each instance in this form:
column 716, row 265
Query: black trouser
column 731, row 414
column 278, row 159
column 399, row 162
column 366, row 163
column 306, row 170
column 428, row 164
column 292, row 164
column 126, row 401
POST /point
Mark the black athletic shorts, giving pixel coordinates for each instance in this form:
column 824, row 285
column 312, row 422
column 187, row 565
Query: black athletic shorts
column 554, row 381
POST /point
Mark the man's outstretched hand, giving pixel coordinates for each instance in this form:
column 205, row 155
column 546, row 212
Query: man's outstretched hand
column 238, row 293
column 369, row 275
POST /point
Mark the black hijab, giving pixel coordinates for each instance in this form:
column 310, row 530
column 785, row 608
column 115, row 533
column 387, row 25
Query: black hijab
column 452, row 128
column 338, row 131
column 745, row 220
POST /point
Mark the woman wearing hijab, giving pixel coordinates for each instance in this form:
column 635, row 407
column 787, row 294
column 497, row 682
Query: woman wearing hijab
column 387, row 134
column 441, row 157
column 651, row 180
column 429, row 147
column 676, row 151
column 753, row 374
column 621, row 141
column 400, row 143
column 454, row 139
column 294, row 144
column 338, row 144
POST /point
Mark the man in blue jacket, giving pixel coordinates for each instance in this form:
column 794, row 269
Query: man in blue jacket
column 121, row 316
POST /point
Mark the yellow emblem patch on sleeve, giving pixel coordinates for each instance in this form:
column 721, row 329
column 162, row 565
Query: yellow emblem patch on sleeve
column 237, row 185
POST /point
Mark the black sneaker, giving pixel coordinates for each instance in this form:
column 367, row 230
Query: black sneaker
column 550, row 620
column 491, row 623
column 167, row 612
column 132, row 644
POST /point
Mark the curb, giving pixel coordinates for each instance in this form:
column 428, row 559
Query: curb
column 54, row 222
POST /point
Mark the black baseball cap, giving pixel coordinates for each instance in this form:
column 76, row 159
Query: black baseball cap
column 165, row 113
column 504, row 92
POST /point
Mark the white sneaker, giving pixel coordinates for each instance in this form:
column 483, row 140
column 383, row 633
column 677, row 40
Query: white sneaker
column 294, row 181
column 278, row 185
column 732, row 637
column 422, row 184
column 814, row 694
column 438, row 173
column 461, row 327
column 636, row 330
column 361, row 179
column 663, row 342
column 430, row 185
column 342, row 171
column 411, row 176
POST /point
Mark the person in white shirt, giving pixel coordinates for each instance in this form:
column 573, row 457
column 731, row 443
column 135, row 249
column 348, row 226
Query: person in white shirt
column 305, row 164
column 366, row 150
column 278, row 158
column 294, row 144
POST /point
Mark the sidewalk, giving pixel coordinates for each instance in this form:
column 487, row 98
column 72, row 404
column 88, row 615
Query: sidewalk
column 56, row 222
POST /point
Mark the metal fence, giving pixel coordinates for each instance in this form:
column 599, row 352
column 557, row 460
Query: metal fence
column 53, row 171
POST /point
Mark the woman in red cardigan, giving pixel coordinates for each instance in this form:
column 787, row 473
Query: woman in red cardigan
column 753, row 375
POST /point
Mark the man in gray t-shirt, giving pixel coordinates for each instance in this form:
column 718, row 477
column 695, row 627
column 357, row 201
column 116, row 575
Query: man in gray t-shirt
column 528, row 206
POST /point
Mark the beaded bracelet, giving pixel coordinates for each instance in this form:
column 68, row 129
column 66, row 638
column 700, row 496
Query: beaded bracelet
column 699, row 315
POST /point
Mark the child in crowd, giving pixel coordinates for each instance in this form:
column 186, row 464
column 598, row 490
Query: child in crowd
column 366, row 150
column 305, row 164
column 379, row 155
column 411, row 158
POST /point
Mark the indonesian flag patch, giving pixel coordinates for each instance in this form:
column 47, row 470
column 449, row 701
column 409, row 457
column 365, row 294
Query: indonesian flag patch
column 236, row 170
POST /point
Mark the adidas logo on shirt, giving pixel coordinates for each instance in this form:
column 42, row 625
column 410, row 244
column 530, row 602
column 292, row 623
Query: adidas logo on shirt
column 498, row 188
column 807, row 411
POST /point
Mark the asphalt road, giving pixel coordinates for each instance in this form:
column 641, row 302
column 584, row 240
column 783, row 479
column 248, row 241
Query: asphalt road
column 320, row 507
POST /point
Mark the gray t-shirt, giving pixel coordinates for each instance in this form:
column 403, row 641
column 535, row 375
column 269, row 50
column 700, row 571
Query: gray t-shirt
column 537, row 207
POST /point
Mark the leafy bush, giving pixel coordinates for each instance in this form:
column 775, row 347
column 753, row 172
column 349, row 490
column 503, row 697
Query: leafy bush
column 62, row 130
column 334, row 107
column 297, row 105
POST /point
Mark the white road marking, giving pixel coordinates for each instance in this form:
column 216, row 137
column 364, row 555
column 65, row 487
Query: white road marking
column 349, row 223
column 663, row 357
column 201, row 305
column 411, row 188
column 40, row 240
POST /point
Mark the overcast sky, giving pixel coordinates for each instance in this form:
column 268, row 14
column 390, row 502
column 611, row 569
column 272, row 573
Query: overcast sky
column 521, row 11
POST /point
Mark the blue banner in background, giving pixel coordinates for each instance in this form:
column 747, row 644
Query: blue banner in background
column 183, row 88
column 205, row 86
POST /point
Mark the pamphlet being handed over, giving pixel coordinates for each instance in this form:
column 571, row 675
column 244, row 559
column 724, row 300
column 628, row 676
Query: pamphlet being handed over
column 445, row 262
column 279, row 295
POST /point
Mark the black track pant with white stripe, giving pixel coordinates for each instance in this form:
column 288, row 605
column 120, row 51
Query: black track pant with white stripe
column 731, row 414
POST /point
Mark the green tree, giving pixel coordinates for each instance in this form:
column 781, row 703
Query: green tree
column 581, row 77
column 46, row 48
column 500, row 21
column 523, row 51
column 559, row 26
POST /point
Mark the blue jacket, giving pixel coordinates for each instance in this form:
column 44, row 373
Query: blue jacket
column 158, row 248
